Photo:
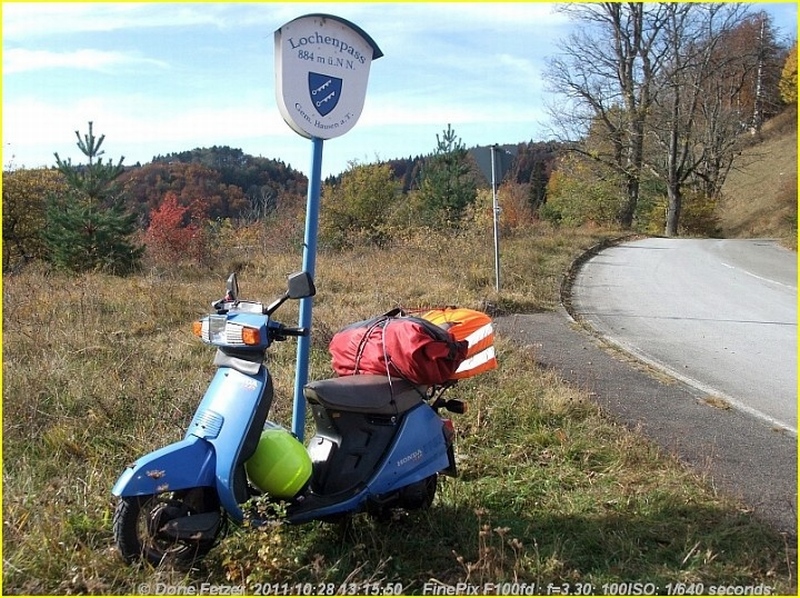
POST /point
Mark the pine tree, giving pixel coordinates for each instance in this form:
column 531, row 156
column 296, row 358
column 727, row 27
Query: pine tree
column 88, row 228
column 447, row 186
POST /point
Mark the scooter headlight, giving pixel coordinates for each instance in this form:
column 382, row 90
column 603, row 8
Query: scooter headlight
column 217, row 330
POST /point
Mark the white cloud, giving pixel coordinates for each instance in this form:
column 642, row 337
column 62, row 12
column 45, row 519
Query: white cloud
column 522, row 67
column 25, row 21
column 419, row 19
column 31, row 20
column 33, row 129
column 19, row 60
column 389, row 111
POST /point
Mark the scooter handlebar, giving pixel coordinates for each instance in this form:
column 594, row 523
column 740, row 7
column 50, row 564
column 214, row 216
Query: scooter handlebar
column 295, row 331
column 280, row 332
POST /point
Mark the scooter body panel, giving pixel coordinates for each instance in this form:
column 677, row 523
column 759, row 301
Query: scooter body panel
column 223, row 433
column 230, row 418
column 419, row 450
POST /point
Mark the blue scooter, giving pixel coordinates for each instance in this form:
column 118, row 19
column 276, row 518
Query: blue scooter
column 379, row 445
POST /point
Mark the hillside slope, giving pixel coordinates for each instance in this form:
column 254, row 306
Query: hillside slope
column 760, row 194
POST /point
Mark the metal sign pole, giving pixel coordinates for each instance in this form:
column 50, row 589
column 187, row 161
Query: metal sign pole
column 309, row 264
column 321, row 69
column 496, row 214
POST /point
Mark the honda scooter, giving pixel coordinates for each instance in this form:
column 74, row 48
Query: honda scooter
column 379, row 444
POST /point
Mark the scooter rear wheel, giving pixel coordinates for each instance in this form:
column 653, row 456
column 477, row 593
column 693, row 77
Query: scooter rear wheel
column 139, row 524
column 413, row 497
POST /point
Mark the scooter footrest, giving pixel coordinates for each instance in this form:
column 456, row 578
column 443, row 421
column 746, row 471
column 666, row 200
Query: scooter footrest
column 202, row 526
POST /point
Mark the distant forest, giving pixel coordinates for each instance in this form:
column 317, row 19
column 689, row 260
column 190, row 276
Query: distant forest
column 231, row 184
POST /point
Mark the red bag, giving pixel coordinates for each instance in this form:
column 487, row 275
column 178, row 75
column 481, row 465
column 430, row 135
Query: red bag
column 397, row 345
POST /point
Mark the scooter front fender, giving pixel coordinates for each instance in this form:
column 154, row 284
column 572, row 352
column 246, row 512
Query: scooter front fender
column 188, row 463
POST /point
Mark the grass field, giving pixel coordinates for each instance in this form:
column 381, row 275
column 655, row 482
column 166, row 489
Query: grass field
column 98, row 370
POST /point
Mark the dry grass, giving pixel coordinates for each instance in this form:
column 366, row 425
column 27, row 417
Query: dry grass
column 760, row 194
column 99, row 369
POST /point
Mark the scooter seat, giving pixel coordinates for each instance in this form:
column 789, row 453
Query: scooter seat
column 365, row 393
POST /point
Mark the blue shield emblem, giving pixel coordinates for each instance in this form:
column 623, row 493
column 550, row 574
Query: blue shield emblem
column 325, row 92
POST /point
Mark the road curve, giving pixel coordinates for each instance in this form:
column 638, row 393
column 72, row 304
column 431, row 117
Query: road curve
column 720, row 315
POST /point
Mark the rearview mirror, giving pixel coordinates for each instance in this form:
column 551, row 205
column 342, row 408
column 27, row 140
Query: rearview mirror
column 232, row 288
column 301, row 285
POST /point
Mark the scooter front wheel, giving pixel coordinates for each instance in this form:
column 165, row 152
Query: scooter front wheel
column 179, row 527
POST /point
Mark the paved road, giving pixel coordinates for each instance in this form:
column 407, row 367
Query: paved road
column 740, row 455
column 720, row 315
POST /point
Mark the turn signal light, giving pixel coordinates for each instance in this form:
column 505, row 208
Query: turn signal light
column 250, row 336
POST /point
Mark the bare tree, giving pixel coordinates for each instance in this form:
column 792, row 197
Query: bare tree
column 691, row 129
column 263, row 202
column 606, row 71
column 740, row 92
column 653, row 88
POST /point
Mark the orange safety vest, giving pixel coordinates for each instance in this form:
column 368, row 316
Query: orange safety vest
column 472, row 326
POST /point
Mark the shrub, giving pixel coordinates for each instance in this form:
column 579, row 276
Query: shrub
column 576, row 198
column 25, row 193
column 698, row 216
column 173, row 233
column 356, row 212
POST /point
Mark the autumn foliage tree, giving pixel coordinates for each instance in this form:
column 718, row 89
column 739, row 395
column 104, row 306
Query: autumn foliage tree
column 175, row 232
column 357, row 210
column 145, row 188
column 517, row 207
column 231, row 184
column 583, row 191
column 788, row 82
column 666, row 88
column 25, row 195
column 746, row 67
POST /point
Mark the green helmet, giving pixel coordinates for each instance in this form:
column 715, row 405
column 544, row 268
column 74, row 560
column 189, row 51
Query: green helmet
column 280, row 466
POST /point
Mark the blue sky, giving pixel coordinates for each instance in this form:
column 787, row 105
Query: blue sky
column 158, row 77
